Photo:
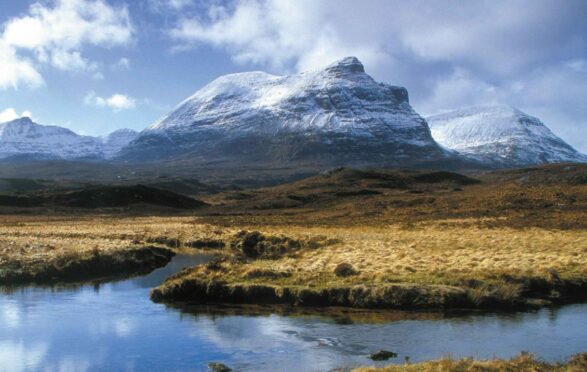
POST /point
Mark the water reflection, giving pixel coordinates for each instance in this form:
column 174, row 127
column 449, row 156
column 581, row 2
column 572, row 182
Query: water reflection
column 17, row 357
column 114, row 326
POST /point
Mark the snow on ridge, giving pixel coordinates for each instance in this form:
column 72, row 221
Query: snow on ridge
column 24, row 137
column 340, row 97
column 502, row 134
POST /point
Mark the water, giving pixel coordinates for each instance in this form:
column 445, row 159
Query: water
column 114, row 326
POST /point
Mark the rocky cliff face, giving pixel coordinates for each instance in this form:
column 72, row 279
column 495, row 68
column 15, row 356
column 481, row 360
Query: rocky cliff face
column 335, row 116
column 501, row 136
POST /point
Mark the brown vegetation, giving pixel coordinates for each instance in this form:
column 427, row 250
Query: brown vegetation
column 522, row 363
column 54, row 249
column 421, row 239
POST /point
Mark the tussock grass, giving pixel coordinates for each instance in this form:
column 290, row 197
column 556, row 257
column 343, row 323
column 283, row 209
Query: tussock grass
column 522, row 363
column 494, row 266
column 45, row 248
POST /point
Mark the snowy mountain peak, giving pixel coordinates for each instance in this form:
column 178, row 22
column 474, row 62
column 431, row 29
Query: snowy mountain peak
column 335, row 113
column 16, row 125
column 500, row 134
column 347, row 65
column 25, row 120
column 23, row 138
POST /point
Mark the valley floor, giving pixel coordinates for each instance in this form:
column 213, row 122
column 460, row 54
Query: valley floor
column 362, row 239
column 429, row 264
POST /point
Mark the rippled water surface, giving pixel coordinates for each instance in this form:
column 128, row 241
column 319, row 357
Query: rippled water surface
column 115, row 326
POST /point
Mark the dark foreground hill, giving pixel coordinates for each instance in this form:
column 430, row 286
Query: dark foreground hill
column 103, row 197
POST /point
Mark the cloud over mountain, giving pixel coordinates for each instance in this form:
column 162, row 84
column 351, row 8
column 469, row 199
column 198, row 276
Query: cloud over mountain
column 449, row 54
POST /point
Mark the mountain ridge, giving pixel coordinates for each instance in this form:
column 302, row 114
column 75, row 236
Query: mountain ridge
column 310, row 121
column 24, row 139
column 334, row 116
column 501, row 135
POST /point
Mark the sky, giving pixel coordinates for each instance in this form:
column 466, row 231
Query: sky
column 99, row 65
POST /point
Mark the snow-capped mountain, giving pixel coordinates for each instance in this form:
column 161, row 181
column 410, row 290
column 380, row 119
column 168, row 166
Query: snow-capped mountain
column 337, row 115
column 113, row 142
column 23, row 138
column 501, row 136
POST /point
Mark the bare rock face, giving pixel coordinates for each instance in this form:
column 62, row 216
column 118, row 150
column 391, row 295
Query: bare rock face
column 335, row 116
column 501, row 136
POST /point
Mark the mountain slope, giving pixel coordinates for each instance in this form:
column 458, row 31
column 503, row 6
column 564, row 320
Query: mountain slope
column 24, row 139
column 501, row 136
column 113, row 142
column 335, row 116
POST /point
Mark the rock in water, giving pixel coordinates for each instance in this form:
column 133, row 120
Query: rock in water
column 218, row 367
column 383, row 355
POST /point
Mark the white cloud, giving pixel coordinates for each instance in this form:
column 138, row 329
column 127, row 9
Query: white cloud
column 448, row 54
column 122, row 64
column 10, row 114
column 577, row 65
column 461, row 88
column 161, row 5
column 55, row 33
column 499, row 36
column 116, row 101
column 17, row 71
column 98, row 76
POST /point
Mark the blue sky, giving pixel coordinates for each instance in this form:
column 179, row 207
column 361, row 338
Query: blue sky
column 98, row 65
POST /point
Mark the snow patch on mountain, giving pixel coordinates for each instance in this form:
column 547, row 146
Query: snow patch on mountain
column 113, row 142
column 23, row 137
column 341, row 97
column 501, row 135
column 334, row 111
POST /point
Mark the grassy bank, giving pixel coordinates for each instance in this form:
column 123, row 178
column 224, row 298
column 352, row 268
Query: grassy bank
column 429, row 266
column 522, row 363
column 38, row 249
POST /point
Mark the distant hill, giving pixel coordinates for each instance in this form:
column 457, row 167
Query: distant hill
column 103, row 197
column 24, row 140
column 501, row 136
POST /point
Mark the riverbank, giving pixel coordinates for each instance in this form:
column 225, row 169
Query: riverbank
column 426, row 266
column 440, row 264
column 83, row 265
column 522, row 363
column 46, row 250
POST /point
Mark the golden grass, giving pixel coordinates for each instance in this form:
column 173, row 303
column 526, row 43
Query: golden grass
column 522, row 363
column 430, row 254
column 38, row 241
column 456, row 253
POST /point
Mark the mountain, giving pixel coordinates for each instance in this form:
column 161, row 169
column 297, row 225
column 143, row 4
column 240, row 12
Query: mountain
column 113, row 142
column 335, row 116
column 501, row 136
column 24, row 139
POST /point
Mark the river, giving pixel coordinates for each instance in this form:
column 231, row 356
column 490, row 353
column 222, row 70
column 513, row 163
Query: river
column 115, row 327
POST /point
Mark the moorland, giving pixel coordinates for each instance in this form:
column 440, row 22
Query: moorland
column 361, row 238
